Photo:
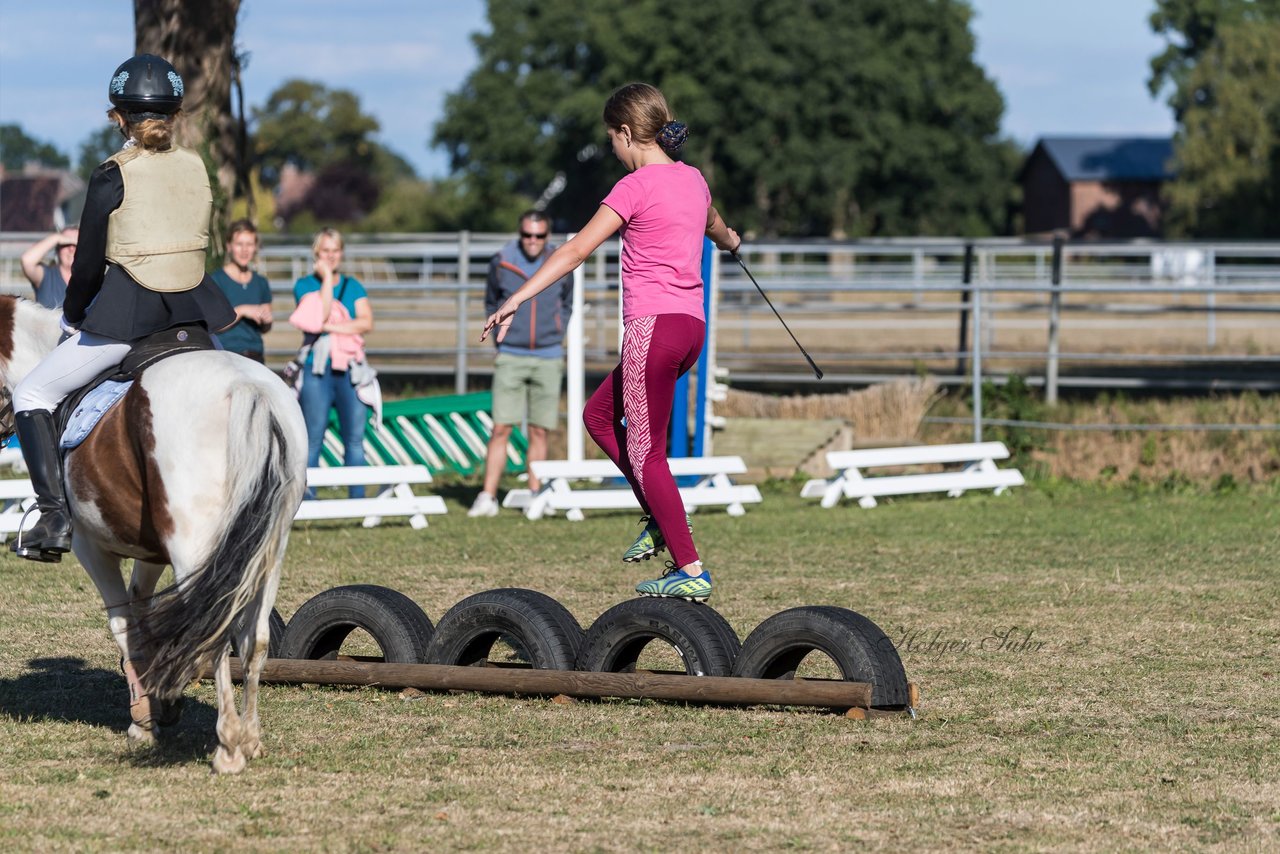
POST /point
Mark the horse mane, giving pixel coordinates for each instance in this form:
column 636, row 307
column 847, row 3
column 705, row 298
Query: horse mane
column 28, row 333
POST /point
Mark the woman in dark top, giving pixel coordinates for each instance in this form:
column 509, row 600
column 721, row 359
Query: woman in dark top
column 139, row 269
column 247, row 290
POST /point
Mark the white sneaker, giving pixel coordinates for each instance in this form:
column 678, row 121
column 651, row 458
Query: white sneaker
column 484, row 505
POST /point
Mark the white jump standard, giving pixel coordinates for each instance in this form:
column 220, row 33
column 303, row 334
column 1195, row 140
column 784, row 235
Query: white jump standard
column 979, row 472
column 714, row 488
column 396, row 499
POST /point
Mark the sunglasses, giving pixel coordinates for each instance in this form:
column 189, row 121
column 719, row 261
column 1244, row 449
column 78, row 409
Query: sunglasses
column 529, row 235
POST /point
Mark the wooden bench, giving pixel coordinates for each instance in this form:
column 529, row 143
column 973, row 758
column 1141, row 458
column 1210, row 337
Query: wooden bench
column 979, row 472
column 11, row 457
column 16, row 495
column 397, row 499
column 558, row 494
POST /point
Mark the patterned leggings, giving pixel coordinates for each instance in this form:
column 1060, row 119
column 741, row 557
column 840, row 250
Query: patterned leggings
column 656, row 351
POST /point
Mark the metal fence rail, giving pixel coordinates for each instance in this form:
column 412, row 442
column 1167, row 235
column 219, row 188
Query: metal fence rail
column 1124, row 315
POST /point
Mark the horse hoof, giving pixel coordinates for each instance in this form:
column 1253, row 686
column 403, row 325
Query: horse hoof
column 141, row 736
column 228, row 762
column 251, row 751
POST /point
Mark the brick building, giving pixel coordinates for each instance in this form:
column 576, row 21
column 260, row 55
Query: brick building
column 1096, row 187
column 39, row 200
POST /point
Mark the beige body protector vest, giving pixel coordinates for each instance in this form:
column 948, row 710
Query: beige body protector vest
column 160, row 232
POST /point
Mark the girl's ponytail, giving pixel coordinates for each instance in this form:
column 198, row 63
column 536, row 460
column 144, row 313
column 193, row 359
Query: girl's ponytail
column 672, row 136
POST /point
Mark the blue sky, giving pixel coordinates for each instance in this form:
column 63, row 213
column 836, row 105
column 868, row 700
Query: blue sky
column 1078, row 68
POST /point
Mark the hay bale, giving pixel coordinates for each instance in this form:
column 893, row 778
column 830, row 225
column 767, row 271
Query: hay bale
column 886, row 413
column 780, row 447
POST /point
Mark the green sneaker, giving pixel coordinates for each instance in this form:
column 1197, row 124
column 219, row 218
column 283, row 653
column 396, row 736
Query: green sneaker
column 677, row 584
column 650, row 541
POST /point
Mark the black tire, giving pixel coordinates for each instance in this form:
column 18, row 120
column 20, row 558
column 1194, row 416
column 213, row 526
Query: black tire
column 538, row 627
column 277, row 625
column 727, row 635
column 615, row 641
column 396, row 623
column 859, row 648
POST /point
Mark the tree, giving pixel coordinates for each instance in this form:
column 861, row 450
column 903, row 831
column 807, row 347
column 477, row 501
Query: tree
column 825, row 117
column 1196, row 24
column 198, row 38
column 305, row 124
column 324, row 132
column 17, row 150
column 1223, row 76
column 445, row 205
column 1227, row 149
column 97, row 147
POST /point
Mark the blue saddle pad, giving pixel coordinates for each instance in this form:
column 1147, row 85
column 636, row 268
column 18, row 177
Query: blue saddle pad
column 90, row 411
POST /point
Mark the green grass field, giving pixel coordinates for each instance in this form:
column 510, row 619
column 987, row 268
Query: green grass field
column 1097, row 669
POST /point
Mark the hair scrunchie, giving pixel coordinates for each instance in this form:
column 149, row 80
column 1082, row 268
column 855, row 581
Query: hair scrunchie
column 672, row 135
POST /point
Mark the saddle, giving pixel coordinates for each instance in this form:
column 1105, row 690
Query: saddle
column 145, row 353
column 76, row 407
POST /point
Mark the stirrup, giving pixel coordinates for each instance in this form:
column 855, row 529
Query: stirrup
column 41, row 554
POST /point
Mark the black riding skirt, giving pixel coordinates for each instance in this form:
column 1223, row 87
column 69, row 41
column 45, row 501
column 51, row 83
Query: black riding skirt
column 126, row 311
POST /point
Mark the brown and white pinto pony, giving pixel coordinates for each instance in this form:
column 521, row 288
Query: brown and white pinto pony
column 201, row 466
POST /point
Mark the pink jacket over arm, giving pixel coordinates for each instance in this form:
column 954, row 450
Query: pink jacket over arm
column 343, row 347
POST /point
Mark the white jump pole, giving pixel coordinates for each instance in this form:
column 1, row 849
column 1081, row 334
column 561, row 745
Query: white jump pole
column 575, row 368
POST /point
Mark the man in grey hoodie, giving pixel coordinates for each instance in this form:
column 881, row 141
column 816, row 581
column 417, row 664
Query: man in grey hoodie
column 529, row 368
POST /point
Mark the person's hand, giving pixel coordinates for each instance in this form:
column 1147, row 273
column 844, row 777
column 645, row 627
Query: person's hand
column 732, row 244
column 324, row 271
column 501, row 319
column 254, row 314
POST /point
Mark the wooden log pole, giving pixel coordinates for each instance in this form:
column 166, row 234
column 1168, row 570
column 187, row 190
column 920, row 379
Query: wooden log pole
column 827, row 693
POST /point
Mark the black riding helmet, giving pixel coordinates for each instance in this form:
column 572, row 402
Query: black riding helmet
column 146, row 87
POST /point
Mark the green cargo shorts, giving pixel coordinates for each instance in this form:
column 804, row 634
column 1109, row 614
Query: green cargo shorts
column 527, row 383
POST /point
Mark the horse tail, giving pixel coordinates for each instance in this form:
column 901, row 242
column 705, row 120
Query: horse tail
column 190, row 622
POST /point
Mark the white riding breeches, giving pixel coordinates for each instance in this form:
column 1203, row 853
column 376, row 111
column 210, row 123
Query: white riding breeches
column 72, row 364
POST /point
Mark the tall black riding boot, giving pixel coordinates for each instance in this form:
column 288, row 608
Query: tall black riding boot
column 50, row 536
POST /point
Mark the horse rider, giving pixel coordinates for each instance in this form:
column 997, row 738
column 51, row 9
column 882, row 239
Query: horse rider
column 139, row 269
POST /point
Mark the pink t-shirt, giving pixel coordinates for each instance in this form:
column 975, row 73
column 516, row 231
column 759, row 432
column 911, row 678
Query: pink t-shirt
column 664, row 217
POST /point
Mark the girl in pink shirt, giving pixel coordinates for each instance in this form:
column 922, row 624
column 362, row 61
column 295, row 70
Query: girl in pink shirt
column 663, row 209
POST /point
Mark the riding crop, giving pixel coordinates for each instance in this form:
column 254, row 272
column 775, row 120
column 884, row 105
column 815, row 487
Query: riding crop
column 816, row 370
